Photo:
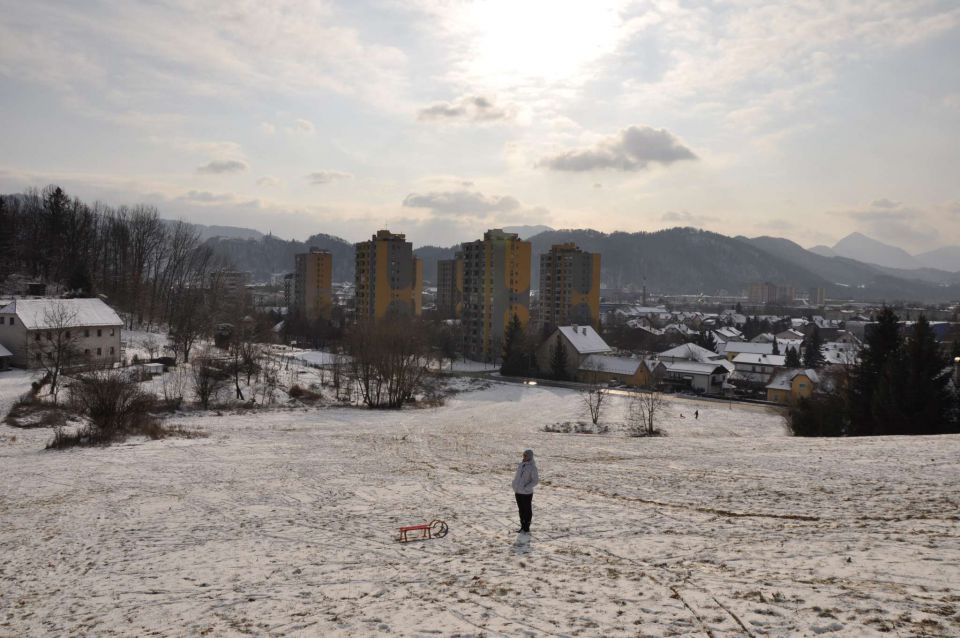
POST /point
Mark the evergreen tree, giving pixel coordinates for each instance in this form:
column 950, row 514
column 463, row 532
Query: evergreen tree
column 739, row 308
column 558, row 360
column 926, row 399
column 705, row 340
column 813, row 350
column 792, row 358
column 869, row 389
column 776, row 346
column 514, row 359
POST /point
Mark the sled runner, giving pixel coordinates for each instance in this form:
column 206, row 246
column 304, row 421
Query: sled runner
column 433, row 529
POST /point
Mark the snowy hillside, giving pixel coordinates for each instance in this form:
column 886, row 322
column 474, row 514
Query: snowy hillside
column 284, row 523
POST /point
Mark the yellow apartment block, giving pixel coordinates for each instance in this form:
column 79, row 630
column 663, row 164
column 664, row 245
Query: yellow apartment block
column 496, row 285
column 389, row 279
column 313, row 284
column 570, row 287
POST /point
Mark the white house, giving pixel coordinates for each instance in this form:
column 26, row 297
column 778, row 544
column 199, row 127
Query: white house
column 708, row 377
column 578, row 341
column 758, row 367
column 5, row 356
column 28, row 327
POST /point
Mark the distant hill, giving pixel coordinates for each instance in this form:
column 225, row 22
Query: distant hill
column 526, row 232
column 862, row 248
column 946, row 258
column 227, row 232
column 676, row 260
column 268, row 255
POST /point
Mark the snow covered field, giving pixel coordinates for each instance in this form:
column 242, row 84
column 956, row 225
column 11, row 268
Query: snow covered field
column 284, row 523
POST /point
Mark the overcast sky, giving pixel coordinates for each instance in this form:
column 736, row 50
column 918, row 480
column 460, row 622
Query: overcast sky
column 440, row 118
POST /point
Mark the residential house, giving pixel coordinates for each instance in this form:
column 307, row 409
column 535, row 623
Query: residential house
column 707, row 378
column 5, row 356
column 28, row 327
column 788, row 386
column 758, row 368
column 579, row 342
column 731, row 349
column 598, row 368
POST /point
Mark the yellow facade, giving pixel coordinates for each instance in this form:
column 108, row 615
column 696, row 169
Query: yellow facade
column 570, row 286
column 314, row 284
column 801, row 387
column 496, row 285
column 389, row 279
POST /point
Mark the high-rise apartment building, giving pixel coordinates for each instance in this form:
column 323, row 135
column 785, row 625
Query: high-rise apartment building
column 496, row 285
column 313, row 284
column 450, row 287
column 389, row 279
column 569, row 287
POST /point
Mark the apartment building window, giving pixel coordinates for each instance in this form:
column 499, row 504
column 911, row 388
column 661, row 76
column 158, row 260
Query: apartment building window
column 99, row 351
column 99, row 332
column 86, row 332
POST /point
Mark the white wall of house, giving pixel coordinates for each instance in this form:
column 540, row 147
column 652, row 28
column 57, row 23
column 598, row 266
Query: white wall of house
column 98, row 345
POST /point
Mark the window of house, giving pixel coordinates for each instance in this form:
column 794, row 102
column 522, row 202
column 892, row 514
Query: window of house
column 99, row 351
column 111, row 350
column 86, row 333
column 68, row 334
column 13, row 321
column 112, row 331
column 36, row 336
column 99, row 332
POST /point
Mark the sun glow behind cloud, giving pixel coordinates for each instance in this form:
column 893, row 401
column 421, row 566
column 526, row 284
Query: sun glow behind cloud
column 540, row 40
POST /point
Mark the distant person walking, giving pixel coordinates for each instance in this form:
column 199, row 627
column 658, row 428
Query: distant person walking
column 524, row 481
column 696, row 414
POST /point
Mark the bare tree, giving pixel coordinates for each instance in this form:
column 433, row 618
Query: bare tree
column 593, row 393
column 388, row 361
column 208, row 379
column 642, row 413
column 55, row 347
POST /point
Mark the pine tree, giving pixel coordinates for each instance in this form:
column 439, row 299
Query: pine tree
column 513, row 355
column 792, row 358
column 926, row 399
column 871, row 380
column 776, row 346
column 558, row 360
column 705, row 340
column 813, row 350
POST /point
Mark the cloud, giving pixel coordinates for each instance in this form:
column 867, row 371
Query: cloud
column 469, row 108
column 301, row 125
column 217, row 167
column 267, row 128
column 319, row 178
column 686, row 217
column 633, row 149
column 269, row 181
column 884, row 203
column 206, row 197
column 467, row 203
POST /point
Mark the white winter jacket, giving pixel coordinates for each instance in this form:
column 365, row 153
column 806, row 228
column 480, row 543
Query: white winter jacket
column 526, row 477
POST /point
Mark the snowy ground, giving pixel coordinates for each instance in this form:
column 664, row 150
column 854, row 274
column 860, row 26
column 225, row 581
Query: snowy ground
column 284, row 523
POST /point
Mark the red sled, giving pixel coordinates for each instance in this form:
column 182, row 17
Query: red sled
column 433, row 529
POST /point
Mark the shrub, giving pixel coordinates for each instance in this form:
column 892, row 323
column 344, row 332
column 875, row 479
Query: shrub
column 113, row 404
column 822, row 415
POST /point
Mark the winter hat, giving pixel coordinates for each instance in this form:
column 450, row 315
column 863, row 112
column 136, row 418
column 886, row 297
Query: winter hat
column 529, row 453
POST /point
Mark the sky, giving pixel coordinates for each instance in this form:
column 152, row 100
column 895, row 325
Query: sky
column 440, row 119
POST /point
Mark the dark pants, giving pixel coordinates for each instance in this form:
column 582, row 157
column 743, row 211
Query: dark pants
column 525, row 505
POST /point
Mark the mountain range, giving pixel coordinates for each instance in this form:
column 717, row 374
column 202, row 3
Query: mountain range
column 870, row 251
column 676, row 260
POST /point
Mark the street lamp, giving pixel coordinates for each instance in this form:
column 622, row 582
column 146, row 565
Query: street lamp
column 956, row 372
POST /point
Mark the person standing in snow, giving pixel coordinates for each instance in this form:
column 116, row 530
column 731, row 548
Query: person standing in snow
column 524, row 481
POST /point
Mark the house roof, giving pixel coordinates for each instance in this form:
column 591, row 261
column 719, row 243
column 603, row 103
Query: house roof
column 614, row 365
column 34, row 313
column 694, row 367
column 760, row 359
column 744, row 346
column 4, row 352
column 690, row 351
column 584, row 339
column 782, row 380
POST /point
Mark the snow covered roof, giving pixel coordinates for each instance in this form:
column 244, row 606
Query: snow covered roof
column 782, row 380
column 690, row 351
column 760, row 359
column 4, row 352
column 752, row 348
column 584, row 339
column 33, row 313
column 694, row 367
column 614, row 365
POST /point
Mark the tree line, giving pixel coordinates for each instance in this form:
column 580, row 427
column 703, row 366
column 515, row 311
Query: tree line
column 149, row 269
column 900, row 384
